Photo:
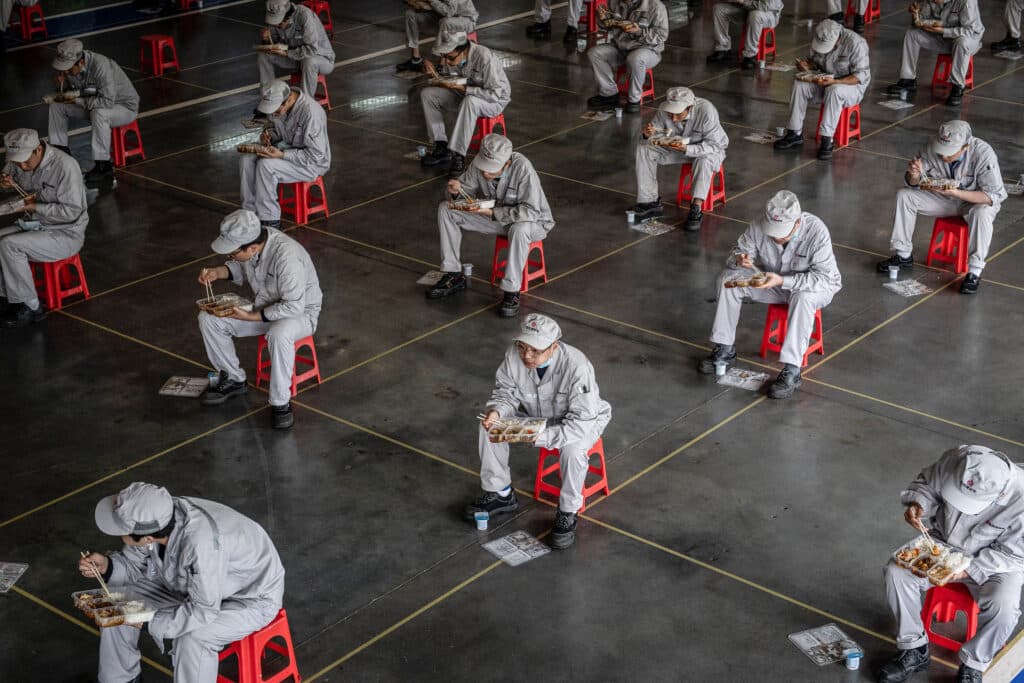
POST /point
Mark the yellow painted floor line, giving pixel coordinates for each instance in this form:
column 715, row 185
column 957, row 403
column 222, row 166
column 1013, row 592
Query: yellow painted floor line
column 146, row 178
column 588, row 122
column 994, row 99
column 583, row 182
column 367, row 245
column 597, row 260
column 130, row 338
column 140, row 280
column 376, row 131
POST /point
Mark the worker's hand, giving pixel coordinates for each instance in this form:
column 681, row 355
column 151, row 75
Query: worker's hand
column 59, row 80
column 648, row 130
column 677, row 145
column 489, row 418
column 825, row 81
column 913, row 516
column 85, row 564
column 270, row 153
column 480, row 212
column 209, row 275
column 6, row 181
column 915, row 168
column 30, row 204
column 454, row 187
column 265, row 35
column 632, row 28
column 744, row 261
column 457, row 87
column 429, row 68
column 803, row 65
column 249, row 316
column 770, row 280
column 265, row 138
column 914, row 8
column 952, row 194
column 933, row 29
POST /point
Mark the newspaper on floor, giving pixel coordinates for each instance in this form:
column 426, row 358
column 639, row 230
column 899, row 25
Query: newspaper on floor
column 761, row 138
column 10, row 572
column 743, row 379
column 652, row 227
column 189, row 387
column 598, row 115
column 824, row 644
column 779, row 67
column 1009, row 55
column 408, row 75
column 1016, row 188
column 430, row 278
column 896, row 104
column 516, row 548
column 414, row 155
column 907, row 288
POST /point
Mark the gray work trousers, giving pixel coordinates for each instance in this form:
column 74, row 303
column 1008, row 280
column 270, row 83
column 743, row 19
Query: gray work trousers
column 799, row 326
column 18, row 247
column 7, row 6
column 260, row 177
column 839, row 6
column 649, row 157
column 1012, row 16
column 542, row 12
column 835, row 97
column 573, row 461
column 102, row 121
column 910, row 202
column 218, row 335
column 310, row 67
column 726, row 13
column 998, row 602
column 451, row 223
column 606, row 59
column 961, row 48
column 469, row 108
column 416, row 20
column 195, row 654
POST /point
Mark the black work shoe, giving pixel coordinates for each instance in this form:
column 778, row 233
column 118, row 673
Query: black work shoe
column 837, row 17
column 225, row 389
column 493, row 504
column 786, row 383
column 439, row 155
column 719, row 56
column 694, row 218
column 509, row 305
column 1007, row 44
column 281, row 417
column 276, row 225
column 908, row 84
column 792, row 138
column 411, row 64
column 101, row 177
column 457, row 166
column 721, row 353
column 647, row 210
column 956, row 96
column 20, row 315
column 748, row 63
column 896, row 260
column 858, row 23
column 904, row 665
column 966, row 674
column 970, row 284
column 632, row 107
column 447, row 285
column 542, row 29
column 825, row 149
column 571, row 34
column 563, row 533
column 600, row 102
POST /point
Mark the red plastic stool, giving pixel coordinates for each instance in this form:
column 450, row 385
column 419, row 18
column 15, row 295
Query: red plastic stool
column 263, row 366
column 151, row 54
column 716, row 192
column 941, row 604
column 322, row 9
column 472, row 37
column 539, row 272
column 53, row 280
column 543, row 470
column 873, row 12
column 187, row 4
column 25, row 17
column 589, row 18
column 486, row 126
column 950, row 240
column 763, row 48
column 120, row 152
column 300, row 205
column 622, row 79
column 846, row 129
column 775, row 332
column 944, row 67
column 321, row 80
column 250, row 651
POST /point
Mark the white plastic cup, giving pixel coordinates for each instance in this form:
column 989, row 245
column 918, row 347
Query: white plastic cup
column 780, row 131
column 894, row 272
column 631, row 216
column 760, row 64
column 720, row 367
column 581, row 45
column 482, row 518
column 903, row 95
column 618, row 112
column 467, row 269
column 421, row 151
column 853, row 660
column 214, row 378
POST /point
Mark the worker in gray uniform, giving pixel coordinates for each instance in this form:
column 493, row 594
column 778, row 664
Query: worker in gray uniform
column 309, row 50
column 521, row 214
column 107, row 99
column 793, row 248
column 53, row 227
column 755, row 16
column 541, row 28
column 485, row 93
column 957, row 155
column 637, row 46
column 286, row 308
column 843, row 55
column 837, row 13
column 446, row 16
column 973, row 500
column 213, row 575
column 1012, row 18
column 542, row 377
column 958, row 31
column 695, row 119
column 300, row 150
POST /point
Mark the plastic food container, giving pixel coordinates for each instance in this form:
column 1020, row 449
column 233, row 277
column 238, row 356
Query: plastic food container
column 66, row 96
column 253, row 148
column 222, row 304
column 811, row 75
column 467, row 205
column 920, row 557
column 517, row 429
column 938, row 184
column 115, row 611
column 669, row 140
column 755, row 280
column 451, row 80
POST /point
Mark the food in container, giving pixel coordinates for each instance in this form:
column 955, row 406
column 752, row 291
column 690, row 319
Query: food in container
column 517, row 429
column 449, row 80
column 253, row 148
column 811, row 75
column 470, row 204
column 66, row 96
column 669, row 140
column 938, row 184
column 271, row 47
column 222, row 305
column 755, row 280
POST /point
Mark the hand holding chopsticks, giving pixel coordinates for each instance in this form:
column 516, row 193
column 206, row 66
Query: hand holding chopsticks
column 87, row 562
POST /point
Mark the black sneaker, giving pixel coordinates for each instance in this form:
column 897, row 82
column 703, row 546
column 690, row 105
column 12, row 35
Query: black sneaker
column 563, row 533
column 694, row 218
column 1007, row 44
column 281, row 417
column 748, row 63
column 720, row 353
column 858, row 23
column 101, row 177
column 632, row 107
column 225, row 389
column 493, row 504
column 896, row 260
column 719, row 56
column 447, row 285
column 541, row 29
column 601, row 102
column 509, row 305
column 647, row 210
column 966, row 674
column 571, row 34
column 786, row 384
column 956, row 96
column 908, row 84
column 457, row 166
column 792, row 138
column 970, row 284
column 411, row 64
column 439, row 155
column 904, row 665
column 20, row 315
column 838, row 17
column 825, row 149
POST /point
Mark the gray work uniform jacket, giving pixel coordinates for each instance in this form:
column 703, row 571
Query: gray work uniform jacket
column 567, row 396
column 213, row 554
column 305, row 36
column 112, row 84
column 702, row 127
column 806, row 263
column 978, row 169
column 773, row 6
column 849, row 57
column 652, row 18
column 60, row 192
column 518, row 196
column 455, row 8
column 992, row 538
column 283, row 279
column 304, row 130
column 958, row 17
column 484, row 74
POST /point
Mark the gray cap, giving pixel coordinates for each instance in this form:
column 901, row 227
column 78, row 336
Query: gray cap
column 780, row 214
column 448, row 41
column 273, row 96
column 20, row 143
column 678, row 100
column 276, row 11
column 238, row 228
column 139, row 509
column 952, row 136
column 826, row 35
column 538, row 331
column 68, row 54
column 981, row 477
column 495, row 150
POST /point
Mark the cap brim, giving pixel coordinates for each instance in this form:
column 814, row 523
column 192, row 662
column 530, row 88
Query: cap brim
column 773, row 229
column 673, row 107
column 945, row 148
column 274, row 19
column 63, row 64
column 968, row 505
column 223, row 245
column 537, row 341
column 107, row 521
column 18, row 157
column 488, row 166
column 440, row 49
column 823, row 47
column 268, row 107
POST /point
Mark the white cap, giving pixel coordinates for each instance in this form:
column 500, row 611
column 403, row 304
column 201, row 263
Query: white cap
column 276, row 11
column 20, row 143
column 538, row 331
column 678, row 100
column 826, row 35
column 140, row 508
column 68, row 54
column 448, row 41
column 780, row 214
column 273, row 96
column 495, row 150
column 238, row 228
column 952, row 136
column 981, row 476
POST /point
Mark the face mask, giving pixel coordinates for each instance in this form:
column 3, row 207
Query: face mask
column 545, row 365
